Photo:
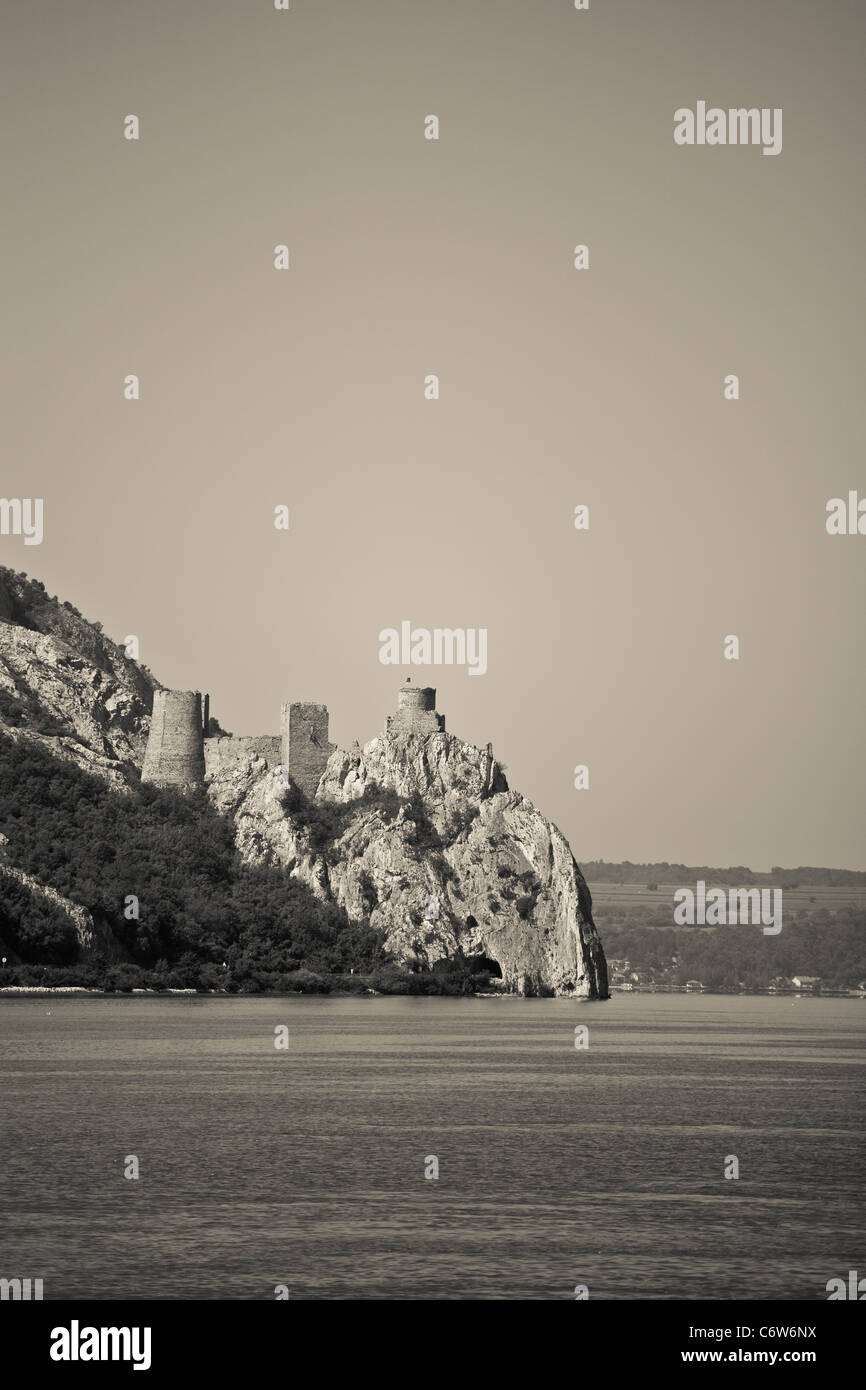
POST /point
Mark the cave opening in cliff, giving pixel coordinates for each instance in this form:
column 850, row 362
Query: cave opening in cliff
column 484, row 965
column 480, row 964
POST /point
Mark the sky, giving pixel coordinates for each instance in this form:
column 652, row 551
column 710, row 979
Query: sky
column 409, row 257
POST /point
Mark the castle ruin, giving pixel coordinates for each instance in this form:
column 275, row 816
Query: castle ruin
column 416, row 711
column 181, row 751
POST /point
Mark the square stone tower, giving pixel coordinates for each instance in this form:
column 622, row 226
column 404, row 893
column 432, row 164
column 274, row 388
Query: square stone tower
column 305, row 749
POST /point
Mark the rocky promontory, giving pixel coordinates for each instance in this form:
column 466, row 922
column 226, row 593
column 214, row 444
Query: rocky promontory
column 423, row 838
column 415, row 840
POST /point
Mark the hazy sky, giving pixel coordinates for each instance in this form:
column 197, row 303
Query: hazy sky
column 558, row 387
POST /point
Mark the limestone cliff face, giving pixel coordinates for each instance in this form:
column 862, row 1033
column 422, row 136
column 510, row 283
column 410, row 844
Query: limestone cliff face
column 66, row 686
column 421, row 836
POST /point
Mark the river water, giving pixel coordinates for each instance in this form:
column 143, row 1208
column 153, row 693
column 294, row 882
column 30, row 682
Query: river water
column 304, row 1167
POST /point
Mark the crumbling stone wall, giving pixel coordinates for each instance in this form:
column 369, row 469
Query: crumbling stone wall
column 231, row 751
column 175, row 744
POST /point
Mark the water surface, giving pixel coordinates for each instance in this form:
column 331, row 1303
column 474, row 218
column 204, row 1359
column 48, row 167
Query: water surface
column 557, row 1166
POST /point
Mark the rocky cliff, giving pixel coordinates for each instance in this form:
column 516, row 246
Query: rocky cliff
column 421, row 836
column 67, row 687
column 417, row 836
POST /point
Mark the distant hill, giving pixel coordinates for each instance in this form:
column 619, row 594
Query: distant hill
column 823, row 928
column 736, row 876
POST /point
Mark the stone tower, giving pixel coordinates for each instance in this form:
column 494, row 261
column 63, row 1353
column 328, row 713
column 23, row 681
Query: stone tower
column 416, row 711
column 305, row 748
column 175, row 744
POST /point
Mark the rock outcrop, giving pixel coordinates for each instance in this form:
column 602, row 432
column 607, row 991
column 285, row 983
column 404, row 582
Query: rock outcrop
column 79, row 918
column 89, row 935
column 421, row 836
column 66, row 686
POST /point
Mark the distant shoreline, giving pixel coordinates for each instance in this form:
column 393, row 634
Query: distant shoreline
column 20, row 990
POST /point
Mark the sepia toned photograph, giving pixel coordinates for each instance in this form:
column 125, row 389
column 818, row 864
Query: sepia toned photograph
column 432, row 555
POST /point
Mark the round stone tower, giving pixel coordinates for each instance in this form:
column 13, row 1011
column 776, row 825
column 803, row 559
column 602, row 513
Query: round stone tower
column 175, row 744
column 415, row 697
column 416, row 711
